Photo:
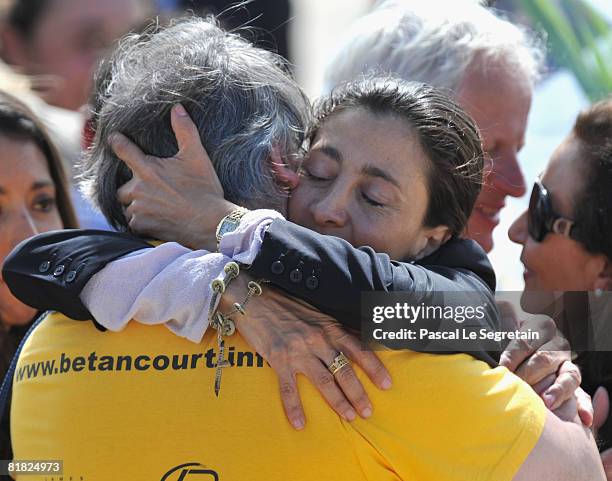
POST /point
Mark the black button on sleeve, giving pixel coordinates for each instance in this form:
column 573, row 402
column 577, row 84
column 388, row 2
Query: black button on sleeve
column 44, row 267
column 59, row 270
column 312, row 283
column 71, row 276
column 295, row 276
column 277, row 268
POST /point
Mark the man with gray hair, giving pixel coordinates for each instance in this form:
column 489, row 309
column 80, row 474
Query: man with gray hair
column 489, row 65
column 244, row 106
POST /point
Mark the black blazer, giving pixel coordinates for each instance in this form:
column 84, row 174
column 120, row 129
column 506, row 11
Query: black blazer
column 331, row 274
column 50, row 270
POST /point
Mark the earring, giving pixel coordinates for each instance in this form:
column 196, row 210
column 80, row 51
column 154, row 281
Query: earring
column 598, row 292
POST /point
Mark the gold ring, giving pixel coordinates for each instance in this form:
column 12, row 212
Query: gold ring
column 339, row 362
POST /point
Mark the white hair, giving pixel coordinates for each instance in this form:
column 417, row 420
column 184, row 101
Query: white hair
column 432, row 41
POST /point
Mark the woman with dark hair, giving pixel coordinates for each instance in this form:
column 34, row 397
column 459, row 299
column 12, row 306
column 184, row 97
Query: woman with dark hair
column 34, row 198
column 566, row 234
column 384, row 152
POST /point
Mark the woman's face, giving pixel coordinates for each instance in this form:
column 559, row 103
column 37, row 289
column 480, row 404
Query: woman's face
column 364, row 180
column 27, row 207
column 558, row 263
column 69, row 39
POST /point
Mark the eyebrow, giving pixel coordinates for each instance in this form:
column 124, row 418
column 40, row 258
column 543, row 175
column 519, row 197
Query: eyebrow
column 369, row 170
column 331, row 152
column 35, row 186
column 372, row 171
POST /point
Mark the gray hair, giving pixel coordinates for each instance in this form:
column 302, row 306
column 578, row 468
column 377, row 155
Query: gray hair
column 432, row 42
column 241, row 98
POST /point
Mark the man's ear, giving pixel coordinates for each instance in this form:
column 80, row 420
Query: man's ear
column 434, row 238
column 604, row 279
column 285, row 174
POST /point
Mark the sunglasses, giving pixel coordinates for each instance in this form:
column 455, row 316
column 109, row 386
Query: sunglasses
column 542, row 219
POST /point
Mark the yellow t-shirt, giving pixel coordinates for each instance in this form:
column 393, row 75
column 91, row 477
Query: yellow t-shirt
column 140, row 405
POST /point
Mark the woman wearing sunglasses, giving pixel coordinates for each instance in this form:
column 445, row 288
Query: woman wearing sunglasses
column 566, row 234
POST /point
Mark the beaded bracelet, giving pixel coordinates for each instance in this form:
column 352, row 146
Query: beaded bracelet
column 218, row 286
column 223, row 323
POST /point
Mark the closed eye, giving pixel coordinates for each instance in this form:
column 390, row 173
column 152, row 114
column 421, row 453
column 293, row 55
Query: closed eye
column 371, row 201
column 309, row 175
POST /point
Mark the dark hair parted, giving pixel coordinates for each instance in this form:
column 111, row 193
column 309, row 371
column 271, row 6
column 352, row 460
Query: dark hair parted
column 593, row 207
column 446, row 133
column 18, row 122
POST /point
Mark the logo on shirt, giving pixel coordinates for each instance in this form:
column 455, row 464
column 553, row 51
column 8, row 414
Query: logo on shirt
column 189, row 472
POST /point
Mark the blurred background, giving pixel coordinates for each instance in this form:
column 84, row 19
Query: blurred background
column 54, row 45
column 579, row 71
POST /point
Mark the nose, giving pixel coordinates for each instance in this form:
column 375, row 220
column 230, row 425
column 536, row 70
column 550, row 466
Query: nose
column 506, row 175
column 24, row 227
column 330, row 210
column 518, row 230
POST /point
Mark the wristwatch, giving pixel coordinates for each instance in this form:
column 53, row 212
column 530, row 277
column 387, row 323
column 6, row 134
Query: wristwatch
column 229, row 223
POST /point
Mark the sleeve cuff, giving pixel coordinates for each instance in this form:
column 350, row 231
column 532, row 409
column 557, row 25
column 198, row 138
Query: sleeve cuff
column 243, row 244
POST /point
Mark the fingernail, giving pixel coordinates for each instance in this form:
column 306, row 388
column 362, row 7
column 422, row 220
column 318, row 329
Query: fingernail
column 549, row 399
column 386, row 384
column 298, row 424
column 350, row 415
column 180, row 110
column 366, row 413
